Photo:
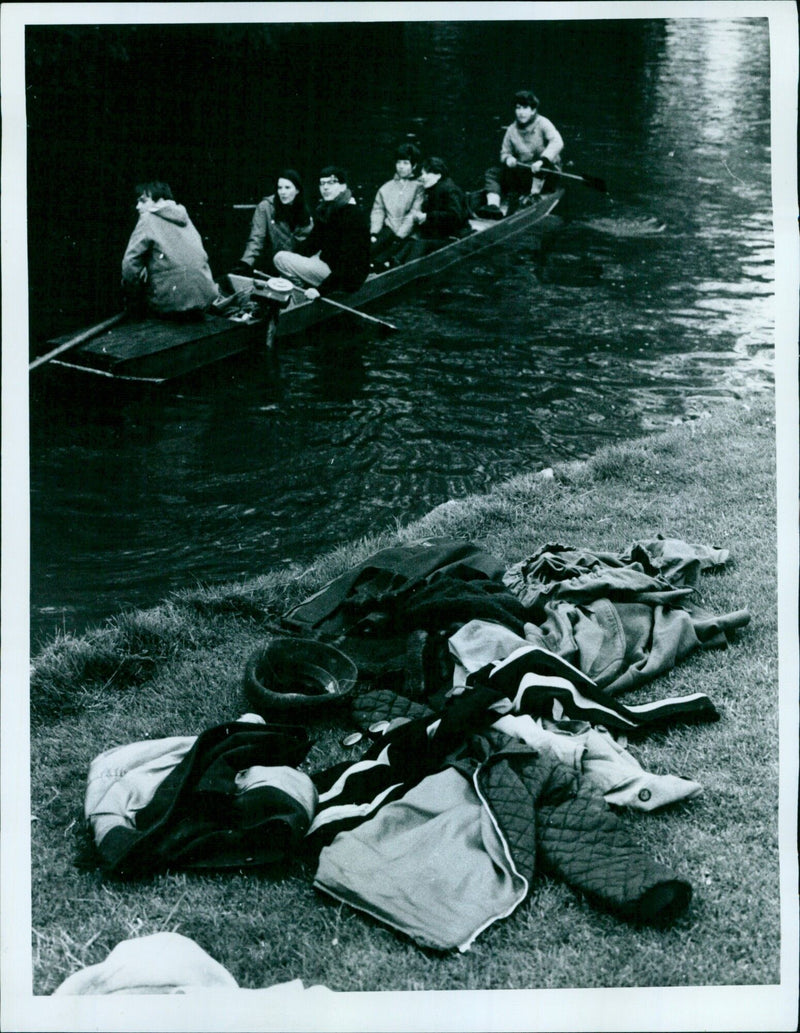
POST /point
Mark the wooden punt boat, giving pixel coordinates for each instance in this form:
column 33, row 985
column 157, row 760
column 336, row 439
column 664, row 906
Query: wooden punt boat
column 155, row 350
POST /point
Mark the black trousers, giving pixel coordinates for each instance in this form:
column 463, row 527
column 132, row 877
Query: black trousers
column 504, row 180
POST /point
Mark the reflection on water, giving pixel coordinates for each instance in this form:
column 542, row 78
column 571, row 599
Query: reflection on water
column 633, row 310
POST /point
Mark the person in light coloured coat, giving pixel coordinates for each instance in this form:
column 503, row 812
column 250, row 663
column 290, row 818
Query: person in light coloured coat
column 165, row 266
column 392, row 215
column 280, row 222
column 530, row 144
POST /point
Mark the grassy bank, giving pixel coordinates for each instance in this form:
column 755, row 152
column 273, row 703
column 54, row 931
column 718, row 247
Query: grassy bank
column 177, row 669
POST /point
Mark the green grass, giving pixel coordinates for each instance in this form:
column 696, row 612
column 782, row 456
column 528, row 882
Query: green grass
column 177, row 669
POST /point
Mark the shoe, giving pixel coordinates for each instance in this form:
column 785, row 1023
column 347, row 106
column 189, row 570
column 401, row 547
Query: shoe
column 528, row 199
column 490, row 211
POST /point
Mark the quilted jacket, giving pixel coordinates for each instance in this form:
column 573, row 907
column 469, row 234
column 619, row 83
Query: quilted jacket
column 550, row 820
column 561, row 825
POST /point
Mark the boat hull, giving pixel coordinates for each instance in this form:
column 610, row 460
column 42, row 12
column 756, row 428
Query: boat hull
column 155, row 350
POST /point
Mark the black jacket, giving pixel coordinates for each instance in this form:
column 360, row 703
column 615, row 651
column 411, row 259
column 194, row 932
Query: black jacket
column 341, row 236
column 447, row 211
column 198, row 817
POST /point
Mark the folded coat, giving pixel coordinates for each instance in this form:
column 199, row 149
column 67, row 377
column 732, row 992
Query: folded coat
column 230, row 797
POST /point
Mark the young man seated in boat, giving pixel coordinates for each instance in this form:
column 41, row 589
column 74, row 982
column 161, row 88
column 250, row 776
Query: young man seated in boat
column 165, row 269
column 444, row 214
column 530, row 144
column 335, row 255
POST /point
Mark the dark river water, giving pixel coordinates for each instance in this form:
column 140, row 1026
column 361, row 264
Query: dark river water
column 631, row 311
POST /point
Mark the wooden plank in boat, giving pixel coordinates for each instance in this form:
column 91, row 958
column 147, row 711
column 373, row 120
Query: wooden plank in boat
column 155, row 349
column 193, row 353
column 137, row 339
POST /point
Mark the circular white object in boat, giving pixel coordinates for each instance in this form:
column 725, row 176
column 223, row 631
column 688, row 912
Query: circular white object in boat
column 278, row 283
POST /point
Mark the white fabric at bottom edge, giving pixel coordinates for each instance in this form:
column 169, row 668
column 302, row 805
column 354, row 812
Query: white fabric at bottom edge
column 164, row 963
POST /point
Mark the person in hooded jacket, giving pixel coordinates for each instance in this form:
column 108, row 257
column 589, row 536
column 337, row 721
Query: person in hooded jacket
column 280, row 222
column 165, row 267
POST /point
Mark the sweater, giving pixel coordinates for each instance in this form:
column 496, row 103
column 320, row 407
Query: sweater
column 394, row 204
column 528, row 143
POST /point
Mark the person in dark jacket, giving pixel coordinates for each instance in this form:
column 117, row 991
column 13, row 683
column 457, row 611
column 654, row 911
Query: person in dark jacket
column 165, row 267
column 336, row 253
column 445, row 209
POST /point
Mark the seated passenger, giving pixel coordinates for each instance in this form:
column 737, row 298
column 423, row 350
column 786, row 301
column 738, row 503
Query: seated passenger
column 392, row 217
column 165, row 267
column 280, row 222
column 445, row 210
column 530, row 143
column 336, row 252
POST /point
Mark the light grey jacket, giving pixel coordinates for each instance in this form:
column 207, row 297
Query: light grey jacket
column 394, row 205
column 268, row 235
column 165, row 255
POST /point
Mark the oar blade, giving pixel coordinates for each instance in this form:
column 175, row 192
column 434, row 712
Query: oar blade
column 595, row 183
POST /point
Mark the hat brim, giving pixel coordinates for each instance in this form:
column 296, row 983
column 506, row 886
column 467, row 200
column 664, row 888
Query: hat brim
column 295, row 674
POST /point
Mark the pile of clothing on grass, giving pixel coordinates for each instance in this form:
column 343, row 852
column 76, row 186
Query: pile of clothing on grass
column 493, row 746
